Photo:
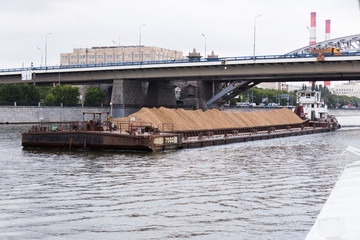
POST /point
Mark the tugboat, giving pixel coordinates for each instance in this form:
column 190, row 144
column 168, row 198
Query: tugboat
column 311, row 107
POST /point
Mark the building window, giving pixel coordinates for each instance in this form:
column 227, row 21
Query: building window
column 100, row 56
column 65, row 57
column 127, row 56
column 73, row 57
column 82, row 56
column 109, row 56
column 118, row 55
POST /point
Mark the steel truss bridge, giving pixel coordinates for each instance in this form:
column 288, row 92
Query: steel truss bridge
column 345, row 44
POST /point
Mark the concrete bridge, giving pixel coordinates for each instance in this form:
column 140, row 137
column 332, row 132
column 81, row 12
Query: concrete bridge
column 152, row 83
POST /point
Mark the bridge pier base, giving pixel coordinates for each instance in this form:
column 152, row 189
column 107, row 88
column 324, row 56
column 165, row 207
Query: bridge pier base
column 161, row 94
column 127, row 97
column 198, row 92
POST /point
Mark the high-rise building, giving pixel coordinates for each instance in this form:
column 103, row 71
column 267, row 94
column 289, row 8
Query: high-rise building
column 98, row 55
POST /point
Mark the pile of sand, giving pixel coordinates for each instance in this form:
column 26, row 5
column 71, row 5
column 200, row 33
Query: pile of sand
column 213, row 119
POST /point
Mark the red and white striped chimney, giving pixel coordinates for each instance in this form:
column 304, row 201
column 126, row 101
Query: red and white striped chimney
column 327, row 29
column 313, row 28
column 327, row 37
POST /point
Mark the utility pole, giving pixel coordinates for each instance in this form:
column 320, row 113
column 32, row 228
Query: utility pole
column 255, row 34
column 46, row 36
column 205, row 44
column 140, row 43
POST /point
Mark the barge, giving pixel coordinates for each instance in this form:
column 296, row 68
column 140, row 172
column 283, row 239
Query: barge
column 144, row 136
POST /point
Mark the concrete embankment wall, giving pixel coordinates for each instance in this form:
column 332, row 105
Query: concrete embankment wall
column 14, row 115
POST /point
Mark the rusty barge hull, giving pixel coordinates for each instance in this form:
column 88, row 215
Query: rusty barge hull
column 160, row 142
column 87, row 140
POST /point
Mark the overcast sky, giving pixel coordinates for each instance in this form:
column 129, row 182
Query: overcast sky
column 175, row 24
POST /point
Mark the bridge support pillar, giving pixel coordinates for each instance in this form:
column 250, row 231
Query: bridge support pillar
column 198, row 92
column 127, row 97
column 161, row 94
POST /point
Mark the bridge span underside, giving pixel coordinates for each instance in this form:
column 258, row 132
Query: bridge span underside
column 202, row 83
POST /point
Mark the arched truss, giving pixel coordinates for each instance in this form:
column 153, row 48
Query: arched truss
column 346, row 44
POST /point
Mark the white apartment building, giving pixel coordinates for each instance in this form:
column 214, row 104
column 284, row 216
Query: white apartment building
column 274, row 85
column 116, row 54
column 350, row 89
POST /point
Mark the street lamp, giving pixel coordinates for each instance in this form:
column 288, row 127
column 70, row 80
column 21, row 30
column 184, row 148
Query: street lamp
column 46, row 35
column 205, row 43
column 140, row 43
column 255, row 34
column 41, row 54
column 117, row 52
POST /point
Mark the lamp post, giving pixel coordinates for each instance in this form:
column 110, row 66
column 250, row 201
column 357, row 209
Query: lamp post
column 41, row 54
column 46, row 35
column 205, row 43
column 255, row 34
column 117, row 52
column 140, row 43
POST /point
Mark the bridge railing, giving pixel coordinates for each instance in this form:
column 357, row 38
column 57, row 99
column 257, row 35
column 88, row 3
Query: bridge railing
column 176, row 61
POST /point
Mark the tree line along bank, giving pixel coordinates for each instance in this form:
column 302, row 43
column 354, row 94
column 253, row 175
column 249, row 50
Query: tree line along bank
column 66, row 94
column 285, row 98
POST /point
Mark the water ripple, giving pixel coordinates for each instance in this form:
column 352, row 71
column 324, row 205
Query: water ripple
column 270, row 189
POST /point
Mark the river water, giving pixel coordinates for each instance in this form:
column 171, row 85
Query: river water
column 271, row 189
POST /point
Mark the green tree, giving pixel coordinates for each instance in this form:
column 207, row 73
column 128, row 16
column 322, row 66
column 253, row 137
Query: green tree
column 11, row 93
column 94, row 95
column 65, row 94
column 313, row 86
column 31, row 93
column 256, row 95
column 49, row 98
column 70, row 94
column 24, row 93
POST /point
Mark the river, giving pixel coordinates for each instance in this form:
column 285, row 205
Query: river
column 271, row 189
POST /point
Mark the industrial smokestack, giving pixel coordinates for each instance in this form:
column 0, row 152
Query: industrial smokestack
column 327, row 29
column 327, row 37
column 313, row 28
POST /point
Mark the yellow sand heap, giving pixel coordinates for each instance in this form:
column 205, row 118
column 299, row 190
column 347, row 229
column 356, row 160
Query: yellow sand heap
column 213, row 119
